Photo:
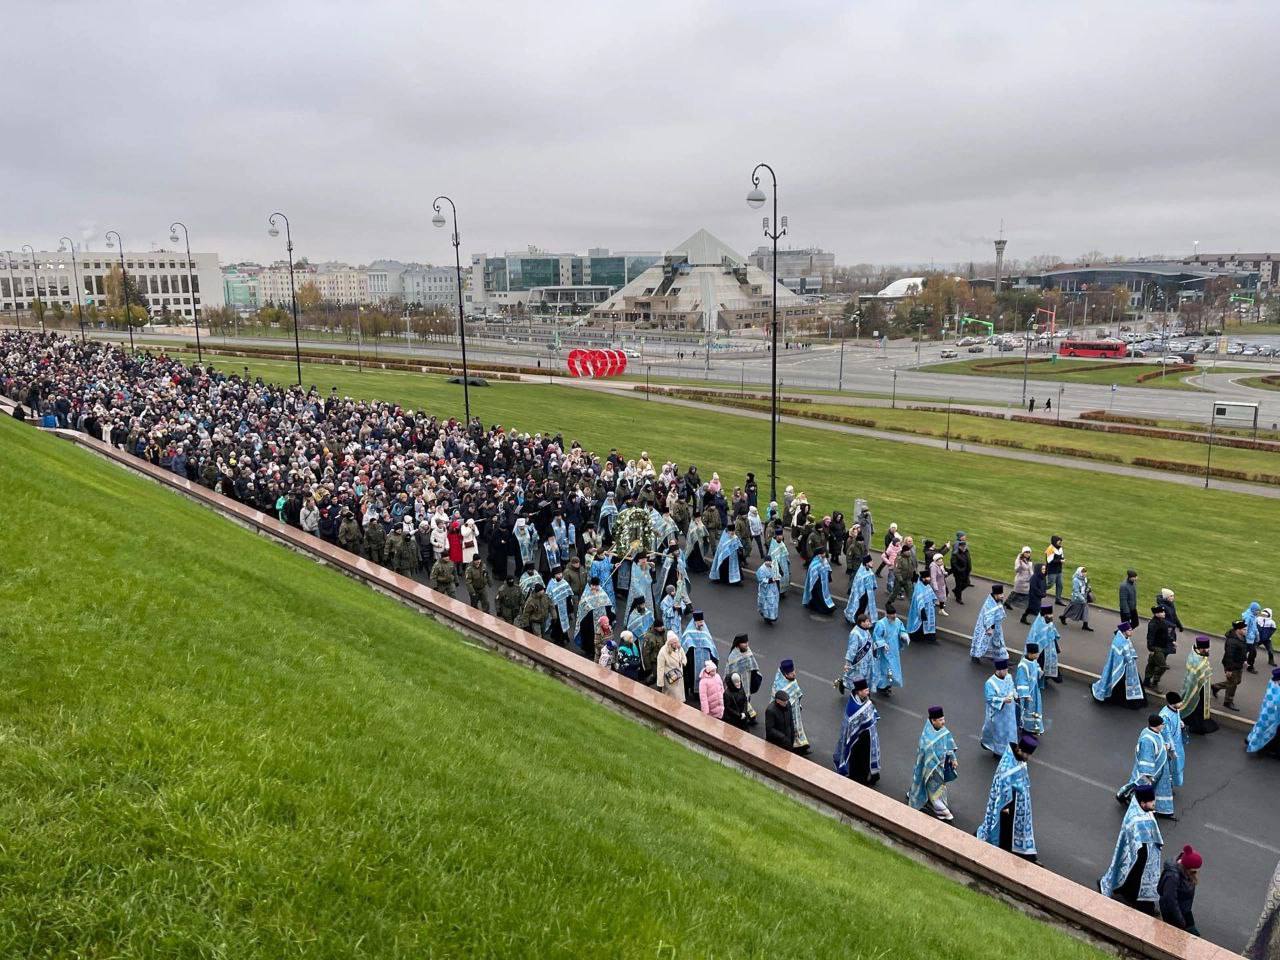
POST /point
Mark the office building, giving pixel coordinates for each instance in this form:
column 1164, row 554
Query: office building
column 240, row 287
column 806, row 270
column 500, row 282
column 161, row 276
column 430, row 287
column 702, row 284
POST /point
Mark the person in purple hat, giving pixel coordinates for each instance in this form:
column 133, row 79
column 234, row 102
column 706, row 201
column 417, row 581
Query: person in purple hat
column 1119, row 682
column 857, row 753
column 1008, row 823
column 1000, row 719
column 1134, row 873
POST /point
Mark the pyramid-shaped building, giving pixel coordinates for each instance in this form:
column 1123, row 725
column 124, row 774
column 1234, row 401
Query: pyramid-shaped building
column 702, row 284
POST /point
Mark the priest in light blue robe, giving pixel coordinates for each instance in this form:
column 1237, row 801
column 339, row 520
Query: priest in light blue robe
column 674, row 573
column 608, row 514
column 1119, row 682
column 640, row 619
column 1008, row 822
column 1029, row 683
column 560, row 593
column 862, row 592
column 699, row 647
column 937, row 764
column 602, row 567
column 781, row 561
column 922, row 614
column 785, row 679
column 767, row 591
column 858, row 652
column 527, row 540
column 1151, row 758
column 528, row 581
column 1044, row 634
column 725, row 566
column 1000, row 715
column 817, row 583
column 1175, row 735
column 857, row 753
column 672, row 611
column 1134, row 872
column 1262, row 738
column 888, row 638
column 593, row 604
column 641, row 583
column 566, row 535
column 988, row 630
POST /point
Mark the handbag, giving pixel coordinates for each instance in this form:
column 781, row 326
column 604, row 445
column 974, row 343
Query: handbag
column 672, row 676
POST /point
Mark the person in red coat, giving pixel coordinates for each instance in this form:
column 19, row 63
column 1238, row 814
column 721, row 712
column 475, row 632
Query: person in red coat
column 455, row 545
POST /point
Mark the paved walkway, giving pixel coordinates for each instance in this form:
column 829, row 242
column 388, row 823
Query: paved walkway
column 1003, row 453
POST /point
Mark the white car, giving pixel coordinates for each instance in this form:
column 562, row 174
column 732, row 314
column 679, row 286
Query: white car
column 949, row 354
column 633, row 354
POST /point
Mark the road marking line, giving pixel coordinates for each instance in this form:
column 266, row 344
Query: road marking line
column 1067, row 773
column 1236, row 836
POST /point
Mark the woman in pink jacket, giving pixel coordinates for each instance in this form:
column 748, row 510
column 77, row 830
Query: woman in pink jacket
column 711, row 691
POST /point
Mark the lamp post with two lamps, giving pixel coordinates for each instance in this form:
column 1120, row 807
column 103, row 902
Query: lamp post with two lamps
column 439, row 220
column 755, row 200
column 191, row 282
column 65, row 242
column 13, row 288
column 124, row 283
column 274, row 231
column 35, row 281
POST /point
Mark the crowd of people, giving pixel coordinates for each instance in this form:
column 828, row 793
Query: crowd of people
column 600, row 554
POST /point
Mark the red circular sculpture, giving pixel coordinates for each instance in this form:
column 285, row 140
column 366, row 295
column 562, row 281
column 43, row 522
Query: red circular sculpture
column 596, row 364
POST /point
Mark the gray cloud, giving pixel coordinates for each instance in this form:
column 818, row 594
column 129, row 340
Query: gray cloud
column 899, row 131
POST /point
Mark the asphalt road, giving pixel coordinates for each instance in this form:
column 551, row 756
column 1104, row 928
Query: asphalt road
column 1084, row 758
column 860, row 367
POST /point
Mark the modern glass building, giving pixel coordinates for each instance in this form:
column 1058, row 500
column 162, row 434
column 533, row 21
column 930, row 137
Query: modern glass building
column 510, row 278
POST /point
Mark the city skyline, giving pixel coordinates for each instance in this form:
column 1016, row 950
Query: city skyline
column 899, row 135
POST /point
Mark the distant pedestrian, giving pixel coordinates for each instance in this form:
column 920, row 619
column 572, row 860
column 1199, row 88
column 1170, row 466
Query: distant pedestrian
column 1031, row 405
column 1129, row 598
column 1234, row 652
column 961, row 566
column 1054, row 558
column 1022, row 570
column 1081, row 597
column 1160, row 646
column 1266, row 630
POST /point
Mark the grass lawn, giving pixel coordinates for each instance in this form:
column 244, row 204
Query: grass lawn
column 217, row 748
column 1074, row 371
column 988, row 430
column 1259, row 383
column 1192, row 540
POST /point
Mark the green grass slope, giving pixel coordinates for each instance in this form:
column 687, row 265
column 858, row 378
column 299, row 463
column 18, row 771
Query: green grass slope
column 214, row 747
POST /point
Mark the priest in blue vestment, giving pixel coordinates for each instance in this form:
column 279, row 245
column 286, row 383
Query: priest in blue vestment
column 817, row 583
column 937, row 765
column 1008, row 822
column 1000, row 715
column 1151, row 767
column 1119, row 682
column 1134, row 873
column 857, row 754
column 862, row 592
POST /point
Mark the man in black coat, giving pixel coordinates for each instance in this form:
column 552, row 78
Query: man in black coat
column 1234, row 652
column 1161, row 637
column 961, row 566
column 779, row 729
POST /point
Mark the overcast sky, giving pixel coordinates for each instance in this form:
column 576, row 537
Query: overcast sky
column 899, row 131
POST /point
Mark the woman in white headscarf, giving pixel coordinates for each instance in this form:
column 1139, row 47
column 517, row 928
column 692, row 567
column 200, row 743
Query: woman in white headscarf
column 670, row 674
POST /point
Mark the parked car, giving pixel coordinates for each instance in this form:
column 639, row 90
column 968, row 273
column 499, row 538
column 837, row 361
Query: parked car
column 949, row 354
column 1005, row 346
column 633, row 354
column 1137, row 352
column 977, row 348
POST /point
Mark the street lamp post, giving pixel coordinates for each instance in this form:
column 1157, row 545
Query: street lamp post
column 439, row 220
column 1026, row 355
column 35, row 280
column 919, row 338
column 274, row 231
column 755, row 200
column 75, row 276
column 191, row 282
column 124, row 283
column 13, row 289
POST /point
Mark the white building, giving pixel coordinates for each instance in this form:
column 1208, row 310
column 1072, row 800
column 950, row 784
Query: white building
column 430, row 286
column 337, row 282
column 386, row 280
column 162, row 277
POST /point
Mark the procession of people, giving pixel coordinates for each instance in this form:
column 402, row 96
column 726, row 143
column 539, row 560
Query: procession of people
column 607, row 556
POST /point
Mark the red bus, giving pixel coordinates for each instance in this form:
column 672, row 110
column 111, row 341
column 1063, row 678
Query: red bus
column 1092, row 348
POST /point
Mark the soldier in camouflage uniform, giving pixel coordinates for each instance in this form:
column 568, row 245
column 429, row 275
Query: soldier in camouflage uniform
column 375, row 539
column 711, row 520
column 443, row 578
column 537, row 609
column 349, row 535
column 478, row 580
column 510, row 600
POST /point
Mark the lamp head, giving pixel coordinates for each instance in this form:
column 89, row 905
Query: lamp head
column 111, row 244
column 438, row 219
column 273, row 231
column 173, row 237
column 756, row 198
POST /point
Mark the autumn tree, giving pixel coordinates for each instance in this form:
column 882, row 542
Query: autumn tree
column 308, row 296
column 128, row 294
